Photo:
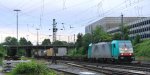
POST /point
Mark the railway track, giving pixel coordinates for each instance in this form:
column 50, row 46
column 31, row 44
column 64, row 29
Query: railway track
column 64, row 72
column 125, row 66
column 108, row 71
column 113, row 69
column 117, row 69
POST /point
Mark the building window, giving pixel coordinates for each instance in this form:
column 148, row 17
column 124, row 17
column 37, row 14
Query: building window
column 148, row 35
column 132, row 26
column 148, row 21
column 149, row 28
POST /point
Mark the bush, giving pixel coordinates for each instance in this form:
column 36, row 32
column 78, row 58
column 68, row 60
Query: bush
column 77, row 53
column 72, row 52
column 81, row 51
column 31, row 68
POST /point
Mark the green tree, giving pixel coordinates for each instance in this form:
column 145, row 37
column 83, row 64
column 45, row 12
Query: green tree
column 57, row 42
column 137, row 39
column 10, row 41
column 2, row 51
column 65, row 43
column 79, row 41
column 29, row 43
column 117, row 36
column 125, row 33
column 23, row 41
column 100, row 35
column 46, row 42
column 71, row 43
column 86, row 41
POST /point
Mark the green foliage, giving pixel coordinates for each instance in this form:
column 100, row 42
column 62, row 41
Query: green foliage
column 143, row 49
column 57, row 42
column 72, row 52
column 126, row 36
column 125, row 33
column 11, row 52
column 31, row 68
column 21, row 52
column 81, row 51
column 100, row 35
column 2, row 51
column 83, row 42
column 13, row 41
column 79, row 41
column 65, row 43
column 117, row 36
column 46, row 42
column 87, row 39
column 77, row 53
column 137, row 39
column 1, row 54
column 29, row 43
column 23, row 41
column 71, row 43
column 10, row 41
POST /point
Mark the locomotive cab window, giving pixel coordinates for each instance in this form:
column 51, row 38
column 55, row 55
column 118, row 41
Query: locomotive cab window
column 114, row 45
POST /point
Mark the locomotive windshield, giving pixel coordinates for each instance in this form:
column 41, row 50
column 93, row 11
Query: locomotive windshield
column 125, row 47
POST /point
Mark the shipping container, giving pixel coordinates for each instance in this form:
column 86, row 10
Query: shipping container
column 61, row 52
column 50, row 52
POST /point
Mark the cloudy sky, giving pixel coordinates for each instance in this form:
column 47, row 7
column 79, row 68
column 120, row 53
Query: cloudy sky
column 75, row 14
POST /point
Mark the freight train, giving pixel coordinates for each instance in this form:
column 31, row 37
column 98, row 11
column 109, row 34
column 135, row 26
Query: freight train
column 115, row 51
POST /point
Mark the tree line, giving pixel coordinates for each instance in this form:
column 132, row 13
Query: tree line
column 13, row 41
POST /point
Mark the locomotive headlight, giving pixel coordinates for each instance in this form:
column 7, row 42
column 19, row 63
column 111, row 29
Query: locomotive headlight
column 130, row 54
column 121, row 53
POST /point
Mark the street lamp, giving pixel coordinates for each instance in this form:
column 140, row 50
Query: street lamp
column 17, row 10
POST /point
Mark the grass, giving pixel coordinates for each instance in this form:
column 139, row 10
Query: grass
column 142, row 59
column 142, row 50
column 7, row 73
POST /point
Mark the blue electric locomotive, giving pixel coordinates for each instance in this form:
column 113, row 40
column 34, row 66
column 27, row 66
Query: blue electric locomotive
column 117, row 50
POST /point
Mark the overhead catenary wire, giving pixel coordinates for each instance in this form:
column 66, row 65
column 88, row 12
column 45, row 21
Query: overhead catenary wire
column 91, row 19
column 108, row 11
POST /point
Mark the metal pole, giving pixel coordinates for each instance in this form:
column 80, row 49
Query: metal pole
column 91, row 34
column 37, row 37
column 17, row 10
column 74, row 38
column 54, row 39
column 27, row 47
column 68, row 39
column 122, row 32
column 54, row 30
